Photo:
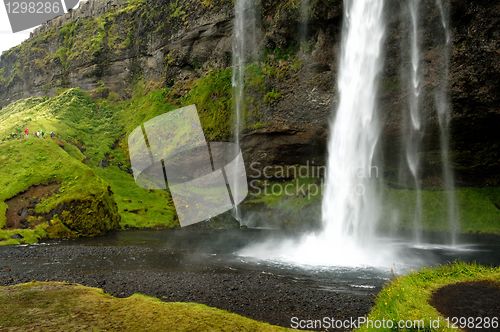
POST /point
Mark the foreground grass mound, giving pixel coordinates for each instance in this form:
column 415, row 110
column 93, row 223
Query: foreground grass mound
column 57, row 306
column 407, row 299
column 80, row 205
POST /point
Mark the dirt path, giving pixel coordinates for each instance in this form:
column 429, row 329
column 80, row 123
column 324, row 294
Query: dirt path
column 21, row 206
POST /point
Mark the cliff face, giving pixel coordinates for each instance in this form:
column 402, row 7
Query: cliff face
column 107, row 46
column 112, row 43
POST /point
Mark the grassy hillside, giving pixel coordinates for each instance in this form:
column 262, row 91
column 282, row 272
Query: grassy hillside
column 47, row 306
column 83, row 203
column 88, row 154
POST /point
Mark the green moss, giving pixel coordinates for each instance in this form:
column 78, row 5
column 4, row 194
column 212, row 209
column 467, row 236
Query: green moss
column 86, row 132
column 177, row 10
column 297, row 193
column 407, row 298
column 77, row 41
column 83, row 200
column 272, row 96
column 296, row 201
column 3, row 77
column 72, row 115
column 47, row 306
column 212, row 95
column 58, row 230
column 477, row 210
column 22, row 236
column 255, row 77
column 143, row 106
column 138, row 207
column 88, row 217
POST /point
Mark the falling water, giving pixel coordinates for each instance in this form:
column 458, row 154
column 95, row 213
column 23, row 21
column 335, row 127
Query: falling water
column 305, row 9
column 443, row 112
column 244, row 48
column 350, row 207
column 350, row 202
column 414, row 135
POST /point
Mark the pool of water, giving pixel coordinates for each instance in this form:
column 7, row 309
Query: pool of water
column 203, row 250
column 206, row 266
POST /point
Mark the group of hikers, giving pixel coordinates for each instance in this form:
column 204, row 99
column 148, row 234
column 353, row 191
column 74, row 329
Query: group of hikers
column 38, row 134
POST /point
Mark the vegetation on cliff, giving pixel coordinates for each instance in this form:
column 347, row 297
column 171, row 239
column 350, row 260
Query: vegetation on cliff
column 81, row 206
column 87, row 158
column 478, row 209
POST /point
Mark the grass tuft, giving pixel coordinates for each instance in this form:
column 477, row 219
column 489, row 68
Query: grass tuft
column 407, row 297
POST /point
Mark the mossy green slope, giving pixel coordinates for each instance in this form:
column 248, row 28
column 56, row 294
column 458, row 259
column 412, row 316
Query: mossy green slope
column 88, row 154
column 72, row 115
column 138, row 207
column 212, row 94
column 30, row 162
column 67, row 307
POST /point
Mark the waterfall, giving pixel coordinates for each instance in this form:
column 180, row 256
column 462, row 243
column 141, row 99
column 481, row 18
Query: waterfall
column 443, row 113
column 305, row 9
column 350, row 206
column 244, row 48
column 350, row 202
column 415, row 127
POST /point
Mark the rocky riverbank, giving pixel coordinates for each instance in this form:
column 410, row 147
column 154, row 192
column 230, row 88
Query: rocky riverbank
column 261, row 293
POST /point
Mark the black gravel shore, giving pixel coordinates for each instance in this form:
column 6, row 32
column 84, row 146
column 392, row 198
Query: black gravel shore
column 201, row 266
column 258, row 293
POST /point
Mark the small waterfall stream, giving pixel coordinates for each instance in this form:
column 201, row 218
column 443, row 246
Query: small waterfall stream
column 244, row 49
column 443, row 112
column 415, row 127
column 305, row 10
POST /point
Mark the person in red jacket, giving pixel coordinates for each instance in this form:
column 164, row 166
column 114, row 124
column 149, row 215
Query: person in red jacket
column 26, row 132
